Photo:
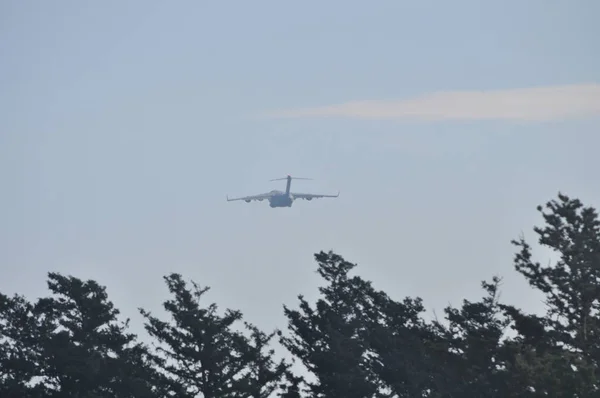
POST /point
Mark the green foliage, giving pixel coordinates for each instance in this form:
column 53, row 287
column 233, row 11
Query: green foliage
column 401, row 346
column 72, row 344
column 567, row 350
column 330, row 339
column 21, row 335
column 354, row 341
column 474, row 339
column 199, row 352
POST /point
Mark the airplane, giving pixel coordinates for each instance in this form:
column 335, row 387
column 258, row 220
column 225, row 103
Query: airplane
column 283, row 199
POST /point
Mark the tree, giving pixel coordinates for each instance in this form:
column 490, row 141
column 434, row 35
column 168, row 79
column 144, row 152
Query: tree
column 73, row 344
column 20, row 351
column 472, row 354
column 291, row 386
column 264, row 374
column 568, row 338
column 90, row 353
column 330, row 340
column 358, row 342
column 199, row 352
column 401, row 346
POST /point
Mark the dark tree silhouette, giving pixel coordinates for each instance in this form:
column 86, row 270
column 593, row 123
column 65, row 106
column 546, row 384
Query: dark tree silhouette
column 330, row 340
column 291, row 387
column 200, row 352
column 21, row 355
column 560, row 353
column 401, row 346
column 72, row 343
column 473, row 357
column 355, row 341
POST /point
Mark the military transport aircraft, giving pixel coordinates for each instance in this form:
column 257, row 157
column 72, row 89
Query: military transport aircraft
column 283, row 199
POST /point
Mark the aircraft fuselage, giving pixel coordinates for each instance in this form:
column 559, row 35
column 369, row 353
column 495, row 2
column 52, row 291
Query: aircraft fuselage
column 281, row 200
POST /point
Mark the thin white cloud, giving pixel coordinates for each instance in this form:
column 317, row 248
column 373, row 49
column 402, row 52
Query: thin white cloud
column 521, row 104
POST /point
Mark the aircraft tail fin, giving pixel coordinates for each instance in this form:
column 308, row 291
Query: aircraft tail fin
column 289, row 179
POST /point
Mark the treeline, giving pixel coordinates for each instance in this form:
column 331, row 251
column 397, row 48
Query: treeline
column 355, row 341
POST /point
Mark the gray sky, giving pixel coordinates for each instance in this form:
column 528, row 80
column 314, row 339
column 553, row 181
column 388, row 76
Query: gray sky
column 123, row 126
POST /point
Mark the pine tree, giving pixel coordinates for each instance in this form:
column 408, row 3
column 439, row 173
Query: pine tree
column 73, row 344
column 402, row 346
column 472, row 353
column 264, row 374
column 291, row 386
column 568, row 339
column 21, row 358
column 330, row 340
column 89, row 352
column 200, row 352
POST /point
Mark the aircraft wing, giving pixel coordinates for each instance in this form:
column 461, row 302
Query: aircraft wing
column 261, row 196
column 309, row 196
